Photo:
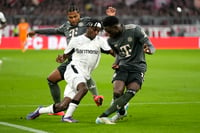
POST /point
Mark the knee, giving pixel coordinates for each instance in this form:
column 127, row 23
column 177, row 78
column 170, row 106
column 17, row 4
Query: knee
column 55, row 76
column 118, row 92
column 51, row 82
column 135, row 86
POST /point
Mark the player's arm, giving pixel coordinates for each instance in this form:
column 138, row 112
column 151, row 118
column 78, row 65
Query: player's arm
column 148, row 47
column 51, row 31
column 111, row 52
column 63, row 57
column 143, row 38
column 69, row 50
column 115, row 65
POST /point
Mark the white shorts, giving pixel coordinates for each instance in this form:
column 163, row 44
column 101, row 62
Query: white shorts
column 73, row 77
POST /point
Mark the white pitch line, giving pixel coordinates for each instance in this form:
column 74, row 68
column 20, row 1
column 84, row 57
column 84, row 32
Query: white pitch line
column 22, row 127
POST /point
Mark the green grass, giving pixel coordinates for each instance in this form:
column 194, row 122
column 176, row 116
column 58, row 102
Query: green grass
column 169, row 101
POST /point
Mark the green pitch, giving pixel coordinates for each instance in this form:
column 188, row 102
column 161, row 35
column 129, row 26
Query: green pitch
column 169, row 101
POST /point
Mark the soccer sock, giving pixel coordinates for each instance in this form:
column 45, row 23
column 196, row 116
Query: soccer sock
column 55, row 91
column 122, row 110
column 119, row 103
column 72, row 107
column 92, row 87
column 48, row 109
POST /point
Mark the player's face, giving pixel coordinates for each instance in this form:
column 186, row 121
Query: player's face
column 73, row 17
column 92, row 32
column 113, row 31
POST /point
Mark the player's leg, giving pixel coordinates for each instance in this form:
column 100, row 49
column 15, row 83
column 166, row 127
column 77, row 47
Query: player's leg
column 94, row 91
column 82, row 91
column 118, row 91
column 78, row 84
column 134, row 82
column 53, row 108
column 119, row 79
column 92, row 87
column 117, row 105
column 69, row 93
column 53, row 79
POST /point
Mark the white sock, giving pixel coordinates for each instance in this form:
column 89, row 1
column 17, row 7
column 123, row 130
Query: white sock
column 45, row 110
column 72, row 107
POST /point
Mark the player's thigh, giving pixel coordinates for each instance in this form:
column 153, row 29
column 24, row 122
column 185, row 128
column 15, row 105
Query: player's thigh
column 70, row 91
column 119, row 80
column 73, row 76
column 54, row 76
column 135, row 80
column 58, row 74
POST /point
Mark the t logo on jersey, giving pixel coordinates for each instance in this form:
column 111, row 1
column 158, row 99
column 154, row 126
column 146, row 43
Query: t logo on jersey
column 125, row 50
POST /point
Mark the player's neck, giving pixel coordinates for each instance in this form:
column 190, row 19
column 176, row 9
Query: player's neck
column 91, row 38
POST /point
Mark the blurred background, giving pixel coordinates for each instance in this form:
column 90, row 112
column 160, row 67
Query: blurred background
column 160, row 18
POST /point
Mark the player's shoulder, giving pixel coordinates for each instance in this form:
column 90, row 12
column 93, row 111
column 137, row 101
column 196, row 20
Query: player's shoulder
column 85, row 19
column 131, row 26
column 101, row 38
column 79, row 38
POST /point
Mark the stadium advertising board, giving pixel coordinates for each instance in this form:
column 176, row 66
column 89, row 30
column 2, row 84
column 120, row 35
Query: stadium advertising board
column 59, row 42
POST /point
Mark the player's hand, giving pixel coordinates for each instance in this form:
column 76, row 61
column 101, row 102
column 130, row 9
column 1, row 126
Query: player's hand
column 115, row 66
column 31, row 34
column 60, row 59
column 98, row 100
column 111, row 11
column 146, row 49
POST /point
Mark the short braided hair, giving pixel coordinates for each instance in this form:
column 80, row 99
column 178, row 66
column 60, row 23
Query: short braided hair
column 72, row 7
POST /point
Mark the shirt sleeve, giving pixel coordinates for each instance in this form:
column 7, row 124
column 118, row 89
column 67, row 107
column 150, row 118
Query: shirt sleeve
column 104, row 45
column 70, row 46
column 61, row 29
column 139, row 32
column 144, row 38
column 2, row 18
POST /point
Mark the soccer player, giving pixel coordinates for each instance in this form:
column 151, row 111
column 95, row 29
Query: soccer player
column 86, row 51
column 129, row 43
column 73, row 27
column 3, row 24
column 23, row 28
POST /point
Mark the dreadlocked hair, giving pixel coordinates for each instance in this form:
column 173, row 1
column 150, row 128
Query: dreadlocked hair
column 72, row 7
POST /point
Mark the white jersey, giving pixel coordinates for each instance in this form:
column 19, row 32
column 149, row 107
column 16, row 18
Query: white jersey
column 87, row 52
column 2, row 18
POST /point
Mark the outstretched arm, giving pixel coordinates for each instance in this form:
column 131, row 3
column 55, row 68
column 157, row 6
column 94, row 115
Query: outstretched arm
column 44, row 32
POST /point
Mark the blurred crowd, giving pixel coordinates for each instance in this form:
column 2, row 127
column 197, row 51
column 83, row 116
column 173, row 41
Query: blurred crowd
column 144, row 12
